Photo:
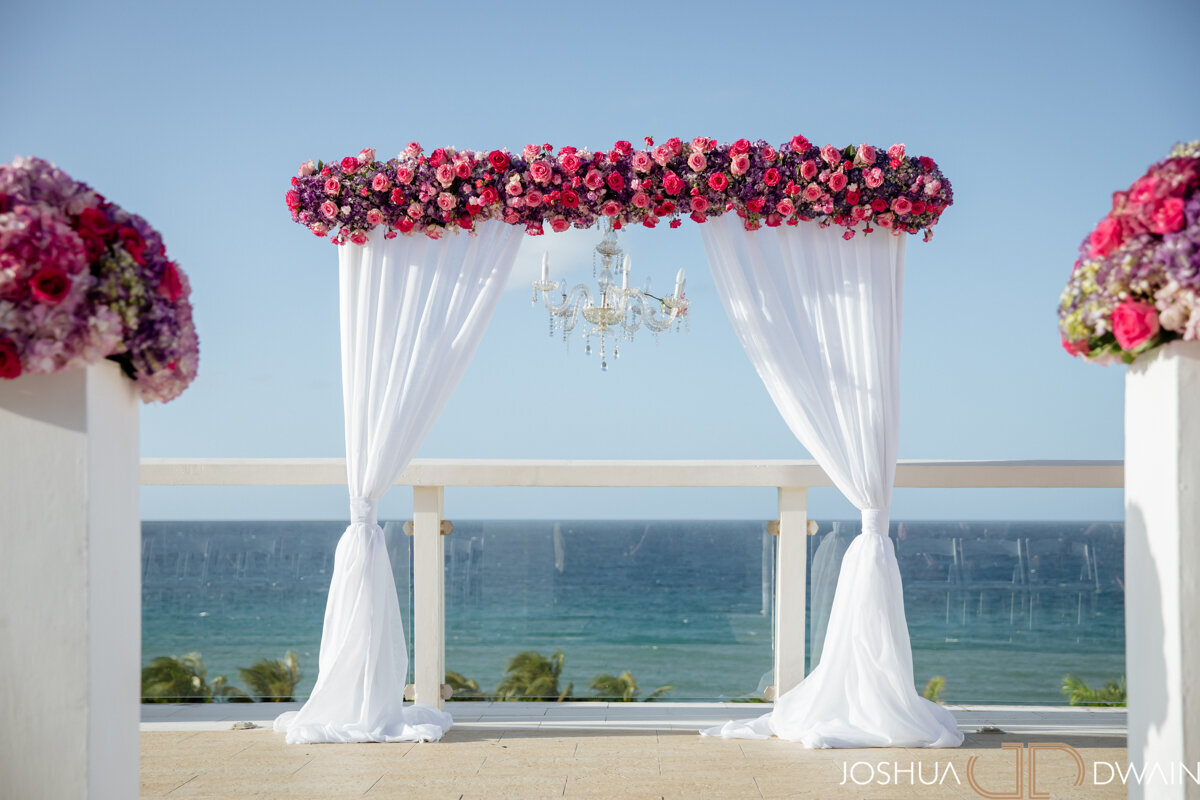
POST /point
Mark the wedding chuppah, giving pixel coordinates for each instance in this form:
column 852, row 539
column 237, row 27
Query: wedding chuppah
column 807, row 250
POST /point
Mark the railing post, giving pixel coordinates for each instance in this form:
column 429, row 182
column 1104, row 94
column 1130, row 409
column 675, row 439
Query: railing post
column 429, row 595
column 791, row 579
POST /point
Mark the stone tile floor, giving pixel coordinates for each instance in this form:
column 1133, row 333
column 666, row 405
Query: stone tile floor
column 647, row 751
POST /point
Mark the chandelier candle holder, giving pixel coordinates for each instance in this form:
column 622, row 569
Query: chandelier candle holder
column 619, row 311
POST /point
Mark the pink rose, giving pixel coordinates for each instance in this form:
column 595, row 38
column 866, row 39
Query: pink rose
column 699, row 204
column 445, row 174
column 358, row 237
column 896, row 151
column 446, row 201
column 292, row 198
column 811, row 193
column 489, row 195
column 333, row 186
column 741, row 146
column 661, row 155
column 367, row 155
column 718, row 182
column 559, row 224
column 1133, row 323
column 808, row 170
column 933, row 187
column 380, row 182
column 1079, row 348
column 412, row 151
column 1105, row 239
column 1168, row 217
column 306, row 169
column 700, row 144
column 329, row 209
column 533, row 198
column 349, row 164
column 838, row 181
column 1143, row 190
column 540, row 171
column 530, row 151
column 641, row 200
column 866, row 155
column 404, row 175
column 462, row 168
column 848, row 234
column 901, row 206
column 319, row 228
column 675, row 144
column 571, row 163
column 374, row 217
column 642, row 162
column 873, row 177
column 799, row 144
column 785, row 207
column 513, row 188
column 593, row 179
column 611, row 208
column 831, row 154
column 415, row 211
column 884, row 220
column 740, row 164
column 768, row 153
column 697, row 161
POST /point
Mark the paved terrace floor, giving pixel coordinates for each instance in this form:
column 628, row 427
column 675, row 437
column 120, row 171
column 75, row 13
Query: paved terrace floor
column 647, row 751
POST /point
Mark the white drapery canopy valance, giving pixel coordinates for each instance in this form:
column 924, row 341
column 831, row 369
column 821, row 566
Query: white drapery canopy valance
column 413, row 310
column 819, row 316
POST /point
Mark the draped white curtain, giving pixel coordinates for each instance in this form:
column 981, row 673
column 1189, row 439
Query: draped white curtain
column 413, row 310
column 819, row 317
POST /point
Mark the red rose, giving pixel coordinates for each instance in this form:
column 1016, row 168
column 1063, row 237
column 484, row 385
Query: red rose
column 1133, row 323
column 771, row 177
column 799, row 144
column 559, row 224
column 133, row 243
column 918, row 207
column 5, row 203
column 489, row 195
column 10, row 362
column 927, row 163
column 1105, row 239
column 405, row 225
column 1079, row 348
column 718, row 182
column 879, row 204
column 94, row 221
column 349, row 164
column 1168, row 217
column 437, row 157
column 569, row 199
column 499, row 160
column 615, row 181
column 464, row 222
column 673, row 184
column 740, row 146
column 623, row 147
column 666, row 209
column 397, row 196
column 171, row 285
column 50, row 285
column 292, row 198
column 755, row 205
column 852, row 198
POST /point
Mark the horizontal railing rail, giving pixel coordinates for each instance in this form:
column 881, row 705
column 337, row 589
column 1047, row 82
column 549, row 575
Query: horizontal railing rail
column 429, row 477
column 910, row 474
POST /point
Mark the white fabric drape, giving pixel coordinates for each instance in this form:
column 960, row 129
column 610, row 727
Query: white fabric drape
column 413, row 310
column 819, row 317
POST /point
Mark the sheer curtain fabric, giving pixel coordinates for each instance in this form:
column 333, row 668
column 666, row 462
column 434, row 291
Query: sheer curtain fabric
column 819, row 317
column 413, row 311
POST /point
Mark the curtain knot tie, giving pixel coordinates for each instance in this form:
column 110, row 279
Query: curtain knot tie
column 876, row 521
column 362, row 510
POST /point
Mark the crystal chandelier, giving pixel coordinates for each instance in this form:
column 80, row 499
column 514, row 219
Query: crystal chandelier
column 621, row 310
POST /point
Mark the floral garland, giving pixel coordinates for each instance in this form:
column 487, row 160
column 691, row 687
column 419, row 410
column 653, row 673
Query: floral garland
column 1136, row 284
column 853, row 187
column 81, row 279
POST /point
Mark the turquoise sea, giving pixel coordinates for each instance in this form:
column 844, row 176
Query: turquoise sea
column 1001, row 610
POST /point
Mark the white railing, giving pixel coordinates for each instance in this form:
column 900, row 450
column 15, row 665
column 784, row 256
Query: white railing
column 792, row 479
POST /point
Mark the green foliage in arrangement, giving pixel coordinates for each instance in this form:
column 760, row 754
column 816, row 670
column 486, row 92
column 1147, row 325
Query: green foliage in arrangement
column 1079, row 693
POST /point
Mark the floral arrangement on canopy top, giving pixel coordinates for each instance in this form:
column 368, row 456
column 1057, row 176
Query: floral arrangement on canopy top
column 1136, row 284
column 446, row 190
column 82, row 279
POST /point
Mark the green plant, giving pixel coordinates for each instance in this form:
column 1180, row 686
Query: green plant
column 1079, row 693
column 529, row 676
column 273, row 680
column 464, row 688
column 622, row 688
column 933, row 689
column 175, row 679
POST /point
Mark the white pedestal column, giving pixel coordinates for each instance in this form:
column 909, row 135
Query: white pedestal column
column 70, row 586
column 1162, row 568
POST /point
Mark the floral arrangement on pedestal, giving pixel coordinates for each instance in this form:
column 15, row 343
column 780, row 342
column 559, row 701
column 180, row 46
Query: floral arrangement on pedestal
column 81, row 279
column 859, row 188
column 1136, row 284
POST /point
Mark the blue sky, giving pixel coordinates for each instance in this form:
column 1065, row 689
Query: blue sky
column 196, row 115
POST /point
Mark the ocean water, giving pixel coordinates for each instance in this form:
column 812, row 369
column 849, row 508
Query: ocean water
column 1001, row 610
